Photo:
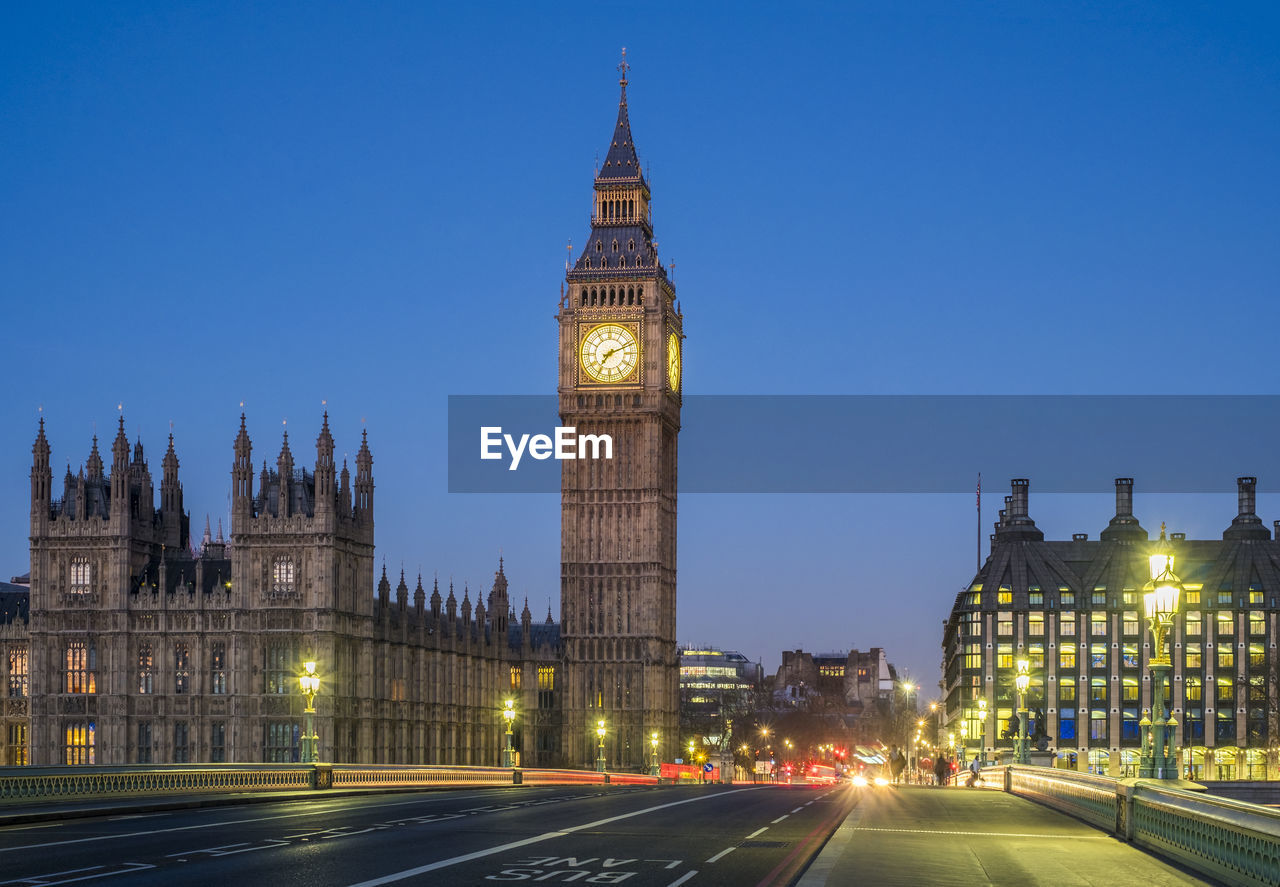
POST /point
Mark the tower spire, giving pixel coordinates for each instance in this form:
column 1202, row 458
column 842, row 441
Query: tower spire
column 623, row 67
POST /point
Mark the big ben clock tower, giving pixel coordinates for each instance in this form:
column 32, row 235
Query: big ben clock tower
column 620, row 366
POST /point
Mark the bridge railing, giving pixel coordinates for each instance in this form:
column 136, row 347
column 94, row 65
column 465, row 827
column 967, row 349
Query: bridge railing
column 1231, row 841
column 20, row 785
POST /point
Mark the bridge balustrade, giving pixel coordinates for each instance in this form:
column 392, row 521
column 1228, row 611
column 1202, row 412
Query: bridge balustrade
column 26, row 784
column 1231, row 841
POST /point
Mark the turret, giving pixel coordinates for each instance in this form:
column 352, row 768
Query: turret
column 326, row 492
column 41, row 480
column 344, row 491
column 419, row 600
column 284, row 467
column 170, row 500
column 402, row 593
column 435, row 600
column 93, row 467
column 364, row 481
column 140, row 477
column 242, row 477
column 499, row 605
column 120, row 472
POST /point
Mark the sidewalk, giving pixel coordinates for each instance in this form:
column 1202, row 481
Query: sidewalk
column 914, row 835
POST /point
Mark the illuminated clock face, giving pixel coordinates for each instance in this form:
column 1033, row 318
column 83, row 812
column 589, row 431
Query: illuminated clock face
column 610, row 353
column 673, row 361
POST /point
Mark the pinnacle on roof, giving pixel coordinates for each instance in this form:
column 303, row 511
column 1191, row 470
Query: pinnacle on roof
column 120, row 447
column 95, row 460
column 621, row 162
column 40, row 449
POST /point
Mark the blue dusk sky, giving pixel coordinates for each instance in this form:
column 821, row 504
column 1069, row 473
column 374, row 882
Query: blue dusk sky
column 368, row 204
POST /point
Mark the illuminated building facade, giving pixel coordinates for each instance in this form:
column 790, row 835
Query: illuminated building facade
column 1075, row 609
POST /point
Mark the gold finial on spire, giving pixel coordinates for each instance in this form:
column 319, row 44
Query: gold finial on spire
column 623, row 66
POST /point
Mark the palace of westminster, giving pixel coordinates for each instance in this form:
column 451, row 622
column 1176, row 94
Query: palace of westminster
column 139, row 649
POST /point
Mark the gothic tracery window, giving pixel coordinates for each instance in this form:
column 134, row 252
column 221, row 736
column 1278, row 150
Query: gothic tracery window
column 181, row 668
column 146, row 670
column 81, row 575
column 282, row 576
column 81, row 662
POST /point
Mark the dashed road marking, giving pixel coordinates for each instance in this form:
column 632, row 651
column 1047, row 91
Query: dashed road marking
column 780, row 818
column 723, row 853
column 680, row 880
column 756, row 832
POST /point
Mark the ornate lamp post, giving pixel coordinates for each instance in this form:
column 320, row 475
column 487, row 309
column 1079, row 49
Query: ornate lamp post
column 310, row 684
column 509, row 715
column 600, row 731
column 1159, row 759
column 964, row 738
column 653, row 765
column 1022, row 742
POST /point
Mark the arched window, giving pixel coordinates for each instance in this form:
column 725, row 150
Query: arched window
column 146, row 670
column 639, row 295
column 584, row 295
column 282, row 576
column 631, row 296
column 599, row 246
column 181, row 668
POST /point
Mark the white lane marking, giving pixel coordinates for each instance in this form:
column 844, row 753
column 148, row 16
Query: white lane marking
column 207, row 849
column 807, row 803
column 780, row 818
column 723, row 853
column 327, row 811
column 756, row 832
column 926, row 831
column 545, row 836
column 128, row 868
column 680, row 880
column 798, row 809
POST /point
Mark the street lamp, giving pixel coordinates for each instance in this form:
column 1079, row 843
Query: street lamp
column 1160, row 598
column 600, row 731
column 310, row 684
column 1021, row 751
column 653, row 767
column 509, row 715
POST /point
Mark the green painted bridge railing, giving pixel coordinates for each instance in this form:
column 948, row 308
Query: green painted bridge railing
column 19, row 785
column 1231, row 841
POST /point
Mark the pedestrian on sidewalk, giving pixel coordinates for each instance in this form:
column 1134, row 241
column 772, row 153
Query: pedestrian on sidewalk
column 941, row 767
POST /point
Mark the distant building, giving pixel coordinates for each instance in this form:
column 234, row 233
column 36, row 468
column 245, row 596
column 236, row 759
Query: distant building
column 855, row 681
column 1075, row 609
column 715, row 686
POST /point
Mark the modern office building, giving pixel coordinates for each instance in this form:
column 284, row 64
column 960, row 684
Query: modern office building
column 1074, row 608
column 715, row 687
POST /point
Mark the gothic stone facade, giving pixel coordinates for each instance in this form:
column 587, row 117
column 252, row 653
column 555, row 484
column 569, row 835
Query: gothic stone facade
column 140, row 651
